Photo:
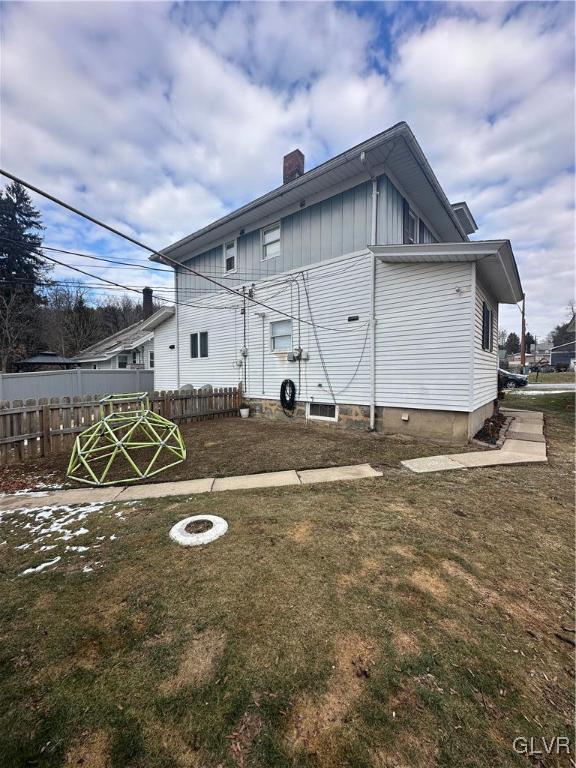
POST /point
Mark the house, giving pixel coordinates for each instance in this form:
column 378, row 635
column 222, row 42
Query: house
column 563, row 356
column 132, row 347
column 357, row 281
column 45, row 360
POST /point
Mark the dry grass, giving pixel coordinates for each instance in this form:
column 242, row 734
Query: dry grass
column 231, row 446
column 412, row 621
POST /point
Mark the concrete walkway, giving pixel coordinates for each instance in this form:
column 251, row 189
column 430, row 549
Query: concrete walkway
column 524, row 443
column 185, row 487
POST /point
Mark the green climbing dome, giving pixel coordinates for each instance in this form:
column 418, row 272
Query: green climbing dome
column 125, row 446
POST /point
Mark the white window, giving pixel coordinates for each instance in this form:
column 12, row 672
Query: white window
column 281, row 335
column 230, row 256
column 322, row 411
column 199, row 344
column 271, row 241
column 122, row 361
column 151, row 359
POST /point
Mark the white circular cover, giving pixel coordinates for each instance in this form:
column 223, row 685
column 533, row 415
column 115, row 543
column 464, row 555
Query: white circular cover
column 179, row 534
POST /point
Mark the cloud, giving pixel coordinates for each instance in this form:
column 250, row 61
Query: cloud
column 161, row 117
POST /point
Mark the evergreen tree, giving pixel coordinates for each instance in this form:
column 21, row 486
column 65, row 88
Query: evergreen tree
column 512, row 344
column 530, row 341
column 21, row 270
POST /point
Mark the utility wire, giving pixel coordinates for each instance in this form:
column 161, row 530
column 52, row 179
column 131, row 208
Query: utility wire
column 162, row 256
column 317, row 339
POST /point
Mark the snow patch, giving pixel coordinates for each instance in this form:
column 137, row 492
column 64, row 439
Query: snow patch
column 42, row 567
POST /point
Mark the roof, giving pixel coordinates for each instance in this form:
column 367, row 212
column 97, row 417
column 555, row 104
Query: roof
column 47, row 358
column 395, row 151
column 465, row 217
column 566, row 344
column 495, row 262
column 125, row 340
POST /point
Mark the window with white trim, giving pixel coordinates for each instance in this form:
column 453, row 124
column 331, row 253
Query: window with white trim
column 323, row 411
column 487, row 324
column 230, row 256
column 271, row 241
column 281, row 336
column 122, row 361
column 151, row 359
column 199, row 344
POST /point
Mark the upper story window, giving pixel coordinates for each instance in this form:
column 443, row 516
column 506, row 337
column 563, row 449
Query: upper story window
column 487, row 322
column 281, row 335
column 230, row 256
column 411, row 229
column 271, row 241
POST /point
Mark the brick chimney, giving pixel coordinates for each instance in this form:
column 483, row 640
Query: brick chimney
column 293, row 165
column 147, row 306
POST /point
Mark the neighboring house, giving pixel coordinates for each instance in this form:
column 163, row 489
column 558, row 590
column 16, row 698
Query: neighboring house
column 563, row 355
column 133, row 347
column 371, row 298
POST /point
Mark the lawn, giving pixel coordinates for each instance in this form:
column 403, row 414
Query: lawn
column 409, row 621
column 566, row 377
column 233, row 446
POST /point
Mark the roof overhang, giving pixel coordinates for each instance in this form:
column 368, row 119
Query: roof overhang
column 495, row 262
column 465, row 217
column 395, row 151
column 159, row 317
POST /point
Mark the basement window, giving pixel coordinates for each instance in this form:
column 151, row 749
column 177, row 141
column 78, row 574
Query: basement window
column 281, row 335
column 322, row 411
column 199, row 344
column 487, row 321
column 230, row 256
column 271, row 241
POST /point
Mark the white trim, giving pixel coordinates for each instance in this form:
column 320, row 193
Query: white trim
column 265, row 229
column 322, row 418
column 272, row 337
column 224, row 244
column 472, row 353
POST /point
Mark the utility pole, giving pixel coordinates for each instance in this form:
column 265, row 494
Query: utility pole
column 523, row 335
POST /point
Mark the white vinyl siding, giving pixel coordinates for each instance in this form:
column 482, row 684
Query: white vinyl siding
column 164, row 357
column 423, row 336
column 485, row 386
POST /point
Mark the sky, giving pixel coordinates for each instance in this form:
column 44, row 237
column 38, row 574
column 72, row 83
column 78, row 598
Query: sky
column 161, row 117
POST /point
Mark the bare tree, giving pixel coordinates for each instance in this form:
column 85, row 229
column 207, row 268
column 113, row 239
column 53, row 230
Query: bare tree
column 70, row 324
column 502, row 336
column 15, row 318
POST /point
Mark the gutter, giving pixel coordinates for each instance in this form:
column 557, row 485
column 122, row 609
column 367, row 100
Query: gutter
column 373, row 235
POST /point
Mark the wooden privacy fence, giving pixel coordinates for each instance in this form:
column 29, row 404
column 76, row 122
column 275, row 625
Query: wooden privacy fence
column 34, row 428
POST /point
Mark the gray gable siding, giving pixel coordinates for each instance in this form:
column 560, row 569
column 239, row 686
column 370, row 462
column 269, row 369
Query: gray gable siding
column 333, row 227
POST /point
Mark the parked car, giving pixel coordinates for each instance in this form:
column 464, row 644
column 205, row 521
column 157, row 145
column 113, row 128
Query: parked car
column 507, row 380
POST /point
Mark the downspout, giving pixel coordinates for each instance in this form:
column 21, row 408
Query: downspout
column 176, row 294
column 373, row 235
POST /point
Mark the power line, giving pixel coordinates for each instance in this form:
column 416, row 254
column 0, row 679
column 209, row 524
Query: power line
column 163, row 257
